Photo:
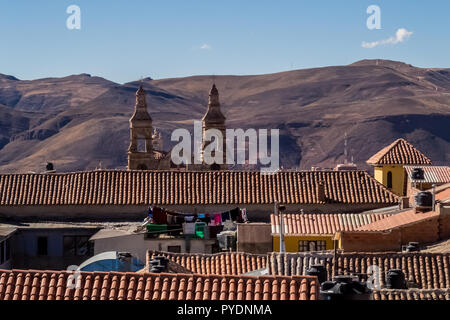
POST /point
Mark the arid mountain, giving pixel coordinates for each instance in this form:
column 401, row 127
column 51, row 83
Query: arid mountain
column 81, row 122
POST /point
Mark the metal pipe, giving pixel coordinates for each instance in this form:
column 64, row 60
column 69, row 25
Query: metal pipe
column 280, row 216
column 434, row 197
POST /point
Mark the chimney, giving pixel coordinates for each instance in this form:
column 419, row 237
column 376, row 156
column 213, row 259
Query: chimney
column 320, row 190
column 403, row 203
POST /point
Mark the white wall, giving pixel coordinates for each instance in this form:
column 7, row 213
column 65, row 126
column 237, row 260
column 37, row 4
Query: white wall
column 138, row 246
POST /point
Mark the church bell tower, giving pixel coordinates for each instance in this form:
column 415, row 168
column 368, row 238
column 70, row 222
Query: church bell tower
column 140, row 152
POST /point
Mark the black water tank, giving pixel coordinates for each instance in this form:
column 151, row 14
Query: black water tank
column 418, row 174
column 424, row 199
column 344, row 288
column 395, row 279
column 412, row 246
column 162, row 260
column 49, row 166
column 158, row 269
column 319, row 271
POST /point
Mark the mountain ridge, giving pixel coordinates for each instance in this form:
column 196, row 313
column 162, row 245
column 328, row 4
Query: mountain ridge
column 81, row 120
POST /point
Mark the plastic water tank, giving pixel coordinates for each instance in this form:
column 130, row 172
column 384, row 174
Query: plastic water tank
column 319, row 271
column 395, row 279
column 418, row 174
column 424, row 199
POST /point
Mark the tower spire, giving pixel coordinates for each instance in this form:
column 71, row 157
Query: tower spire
column 214, row 119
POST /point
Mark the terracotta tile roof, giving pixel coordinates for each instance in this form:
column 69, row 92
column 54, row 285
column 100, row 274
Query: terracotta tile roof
column 412, row 294
column 53, row 285
column 398, row 220
column 399, row 152
column 305, row 223
column 114, row 187
column 428, row 270
column 227, row 263
column 432, row 174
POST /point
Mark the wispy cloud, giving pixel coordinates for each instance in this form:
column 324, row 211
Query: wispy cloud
column 205, row 46
column 401, row 35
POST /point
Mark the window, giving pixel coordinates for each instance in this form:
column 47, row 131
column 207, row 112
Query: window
column 389, row 179
column 141, row 145
column 42, row 246
column 77, row 246
column 321, row 245
column 175, row 249
column 303, row 246
column 317, row 245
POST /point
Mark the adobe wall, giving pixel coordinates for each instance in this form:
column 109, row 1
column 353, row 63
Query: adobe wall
column 254, row 237
column 371, row 241
column 444, row 221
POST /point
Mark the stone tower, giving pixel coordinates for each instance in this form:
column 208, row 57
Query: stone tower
column 140, row 152
column 214, row 119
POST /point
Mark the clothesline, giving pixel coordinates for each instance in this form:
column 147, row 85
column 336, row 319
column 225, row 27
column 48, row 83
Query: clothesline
column 162, row 216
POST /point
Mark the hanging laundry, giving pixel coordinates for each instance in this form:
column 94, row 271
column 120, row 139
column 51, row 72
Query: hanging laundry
column 234, row 214
column 159, row 216
column 244, row 215
column 171, row 219
column 204, row 218
column 215, row 219
column 225, row 216
column 179, row 219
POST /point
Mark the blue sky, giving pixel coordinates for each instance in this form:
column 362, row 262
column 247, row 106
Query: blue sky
column 125, row 40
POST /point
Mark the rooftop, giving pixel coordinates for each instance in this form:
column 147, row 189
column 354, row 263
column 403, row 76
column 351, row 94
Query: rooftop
column 412, row 294
column 423, row 269
column 119, row 187
column 323, row 224
column 398, row 220
column 226, row 263
column 53, row 285
column 399, row 152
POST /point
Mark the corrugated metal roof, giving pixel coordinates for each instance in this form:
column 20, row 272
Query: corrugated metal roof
column 319, row 223
column 432, row 174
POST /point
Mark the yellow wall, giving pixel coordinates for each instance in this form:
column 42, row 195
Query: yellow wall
column 291, row 242
column 398, row 177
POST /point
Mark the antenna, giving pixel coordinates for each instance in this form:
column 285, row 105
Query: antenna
column 345, row 148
